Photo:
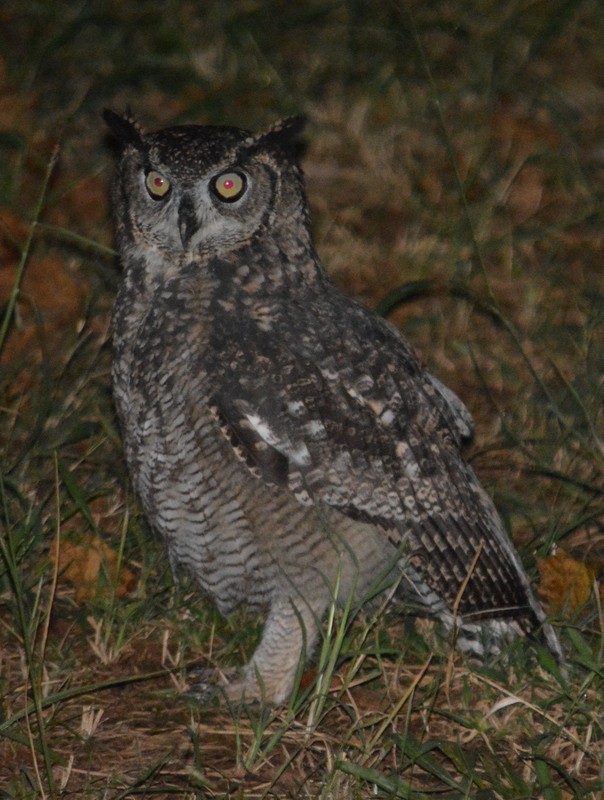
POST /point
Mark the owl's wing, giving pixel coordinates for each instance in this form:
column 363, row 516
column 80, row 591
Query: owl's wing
column 349, row 418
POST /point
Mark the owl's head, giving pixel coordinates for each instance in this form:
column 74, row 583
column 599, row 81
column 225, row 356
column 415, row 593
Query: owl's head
column 196, row 189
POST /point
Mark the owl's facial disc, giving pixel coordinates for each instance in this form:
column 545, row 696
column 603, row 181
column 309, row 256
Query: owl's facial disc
column 210, row 210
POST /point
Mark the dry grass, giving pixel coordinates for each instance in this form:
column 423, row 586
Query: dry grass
column 456, row 174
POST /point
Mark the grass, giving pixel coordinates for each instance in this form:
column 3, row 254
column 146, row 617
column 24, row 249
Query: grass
column 454, row 167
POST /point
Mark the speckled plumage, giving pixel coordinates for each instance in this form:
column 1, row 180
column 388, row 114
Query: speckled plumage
column 283, row 439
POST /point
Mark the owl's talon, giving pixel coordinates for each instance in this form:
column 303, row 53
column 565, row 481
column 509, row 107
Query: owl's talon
column 204, row 684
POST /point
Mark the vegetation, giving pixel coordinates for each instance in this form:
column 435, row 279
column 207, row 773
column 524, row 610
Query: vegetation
column 455, row 167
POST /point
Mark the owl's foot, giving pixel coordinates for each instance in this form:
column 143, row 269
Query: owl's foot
column 205, row 684
column 289, row 634
column 210, row 685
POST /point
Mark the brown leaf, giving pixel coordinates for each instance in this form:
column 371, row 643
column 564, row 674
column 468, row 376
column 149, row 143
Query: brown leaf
column 50, row 307
column 521, row 131
column 526, row 193
column 92, row 567
column 566, row 584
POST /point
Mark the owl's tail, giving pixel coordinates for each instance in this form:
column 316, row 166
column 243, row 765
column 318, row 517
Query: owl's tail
column 482, row 637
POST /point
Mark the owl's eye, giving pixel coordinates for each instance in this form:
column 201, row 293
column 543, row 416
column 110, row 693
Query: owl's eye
column 157, row 186
column 229, row 186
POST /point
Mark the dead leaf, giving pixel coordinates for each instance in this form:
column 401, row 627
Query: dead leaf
column 51, row 302
column 520, row 131
column 92, row 568
column 526, row 193
column 566, row 584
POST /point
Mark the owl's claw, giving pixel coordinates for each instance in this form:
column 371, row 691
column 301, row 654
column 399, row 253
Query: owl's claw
column 204, row 684
column 210, row 685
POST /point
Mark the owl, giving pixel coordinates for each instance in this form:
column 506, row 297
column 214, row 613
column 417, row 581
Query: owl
column 286, row 443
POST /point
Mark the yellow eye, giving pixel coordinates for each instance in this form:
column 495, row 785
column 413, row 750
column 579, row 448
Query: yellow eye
column 229, row 186
column 157, row 186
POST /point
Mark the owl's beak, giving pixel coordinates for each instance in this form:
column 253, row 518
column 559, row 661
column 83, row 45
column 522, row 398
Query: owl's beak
column 187, row 220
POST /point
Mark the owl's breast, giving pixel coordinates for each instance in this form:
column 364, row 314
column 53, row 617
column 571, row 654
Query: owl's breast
column 194, row 491
column 194, row 495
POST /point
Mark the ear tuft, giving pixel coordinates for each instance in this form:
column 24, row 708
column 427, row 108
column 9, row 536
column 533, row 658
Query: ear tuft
column 125, row 127
column 284, row 134
column 287, row 131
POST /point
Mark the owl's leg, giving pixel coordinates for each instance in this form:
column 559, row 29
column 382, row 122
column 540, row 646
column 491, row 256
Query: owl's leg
column 290, row 634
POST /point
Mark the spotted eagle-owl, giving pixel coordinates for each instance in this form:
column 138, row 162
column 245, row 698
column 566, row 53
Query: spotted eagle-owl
column 285, row 441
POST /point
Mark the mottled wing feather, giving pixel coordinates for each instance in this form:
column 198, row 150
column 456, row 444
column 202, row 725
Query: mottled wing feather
column 457, row 415
column 353, row 421
column 263, row 460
